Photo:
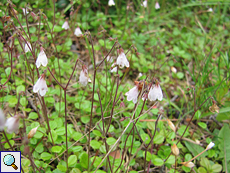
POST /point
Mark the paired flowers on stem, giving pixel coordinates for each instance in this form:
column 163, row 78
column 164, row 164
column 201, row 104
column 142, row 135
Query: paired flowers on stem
column 155, row 92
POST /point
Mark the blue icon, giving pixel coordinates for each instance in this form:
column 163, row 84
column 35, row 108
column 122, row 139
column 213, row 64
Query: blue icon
column 9, row 160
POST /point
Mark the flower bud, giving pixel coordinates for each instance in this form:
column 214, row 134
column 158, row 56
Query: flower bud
column 175, row 150
column 32, row 132
column 171, row 125
column 189, row 164
column 210, row 145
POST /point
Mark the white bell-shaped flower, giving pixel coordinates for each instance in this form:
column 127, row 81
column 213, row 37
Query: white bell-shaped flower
column 157, row 6
column 122, row 60
column 25, row 11
column 111, row 3
column 155, row 93
column 42, row 59
column 65, row 25
column 78, row 32
column 27, row 47
column 132, row 94
column 84, row 79
column 2, row 120
column 144, row 4
column 40, row 86
column 12, row 124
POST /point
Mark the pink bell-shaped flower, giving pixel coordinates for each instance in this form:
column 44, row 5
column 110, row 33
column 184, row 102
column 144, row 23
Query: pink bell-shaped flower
column 132, row 94
column 40, row 86
column 122, row 60
column 111, row 3
column 155, row 93
column 2, row 120
column 78, row 32
column 65, row 25
column 42, row 59
column 84, row 79
column 157, row 6
column 12, row 124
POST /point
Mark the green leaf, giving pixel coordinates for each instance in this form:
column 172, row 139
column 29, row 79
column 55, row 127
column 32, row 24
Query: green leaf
column 72, row 160
column 46, row 156
column 157, row 161
column 75, row 170
column 111, row 141
column 195, row 149
column 202, row 125
column 205, row 163
column 148, row 156
column 95, row 144
column 158, row 139
column 201, row 170
column 33, row 115
column 180, row 75
column 85, row 119
column 182, row 129
column 62, row 168
column 97, row 133
column 84, row 160
column 216, row 168
column 224, row 146
column 56, row 149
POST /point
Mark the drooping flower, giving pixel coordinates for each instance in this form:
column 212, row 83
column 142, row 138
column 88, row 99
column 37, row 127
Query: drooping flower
column 109, row 59
column 210, row 10
column 111, row 3
column 155, row 93
column 157, row 6
column 65, row 25
column 78, row 32
column 84, row 79
column 12, row 124
column 25, row 11
column 2, row 120
column 40, row 86
column 210, row 145
column 122, row 60
column 32, row 132
column 132, row 94
column 113, row 68
column 27, row 47
column 144, row 4
column 42, row 59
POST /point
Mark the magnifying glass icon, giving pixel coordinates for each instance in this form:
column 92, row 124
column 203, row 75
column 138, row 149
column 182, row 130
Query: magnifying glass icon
column 9, row 160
